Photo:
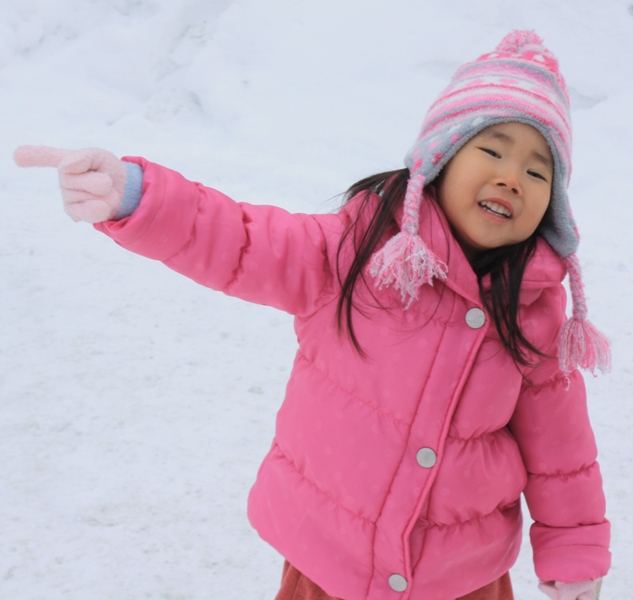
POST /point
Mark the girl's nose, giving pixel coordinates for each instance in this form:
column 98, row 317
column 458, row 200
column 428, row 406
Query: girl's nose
column 510, row 182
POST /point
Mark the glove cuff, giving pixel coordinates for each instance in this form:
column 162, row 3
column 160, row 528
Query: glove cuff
column 133, row 191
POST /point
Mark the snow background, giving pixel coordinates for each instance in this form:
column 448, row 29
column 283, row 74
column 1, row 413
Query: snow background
column 135, row 406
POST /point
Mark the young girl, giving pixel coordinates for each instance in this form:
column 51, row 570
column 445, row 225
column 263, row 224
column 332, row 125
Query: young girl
column 436, row 378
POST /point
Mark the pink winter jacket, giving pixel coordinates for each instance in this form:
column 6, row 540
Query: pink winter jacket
column 396, row 476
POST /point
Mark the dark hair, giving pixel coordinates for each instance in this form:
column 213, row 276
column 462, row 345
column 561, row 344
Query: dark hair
column 505, row 265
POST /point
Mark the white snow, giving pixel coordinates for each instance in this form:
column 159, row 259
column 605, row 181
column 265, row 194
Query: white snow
column 135, row 406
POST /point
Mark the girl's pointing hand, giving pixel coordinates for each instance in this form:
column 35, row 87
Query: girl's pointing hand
column 92, row 181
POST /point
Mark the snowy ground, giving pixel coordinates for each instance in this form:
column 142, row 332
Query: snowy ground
column 135, row 407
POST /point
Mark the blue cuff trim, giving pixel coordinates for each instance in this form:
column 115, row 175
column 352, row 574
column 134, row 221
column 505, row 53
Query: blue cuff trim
column 133, row 191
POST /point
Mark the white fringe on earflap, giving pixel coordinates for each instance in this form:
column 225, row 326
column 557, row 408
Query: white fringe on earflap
column 405, row 261
column 581, row 344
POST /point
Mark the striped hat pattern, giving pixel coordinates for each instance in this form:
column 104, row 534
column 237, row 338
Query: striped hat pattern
column 519, row 81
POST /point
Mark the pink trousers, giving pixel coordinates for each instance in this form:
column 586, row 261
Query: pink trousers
column 296, row 586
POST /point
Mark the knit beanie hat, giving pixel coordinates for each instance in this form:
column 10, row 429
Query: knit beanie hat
column 518, row 81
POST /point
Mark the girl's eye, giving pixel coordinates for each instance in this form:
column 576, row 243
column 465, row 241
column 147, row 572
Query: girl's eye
column 491, row 152
column 537, row 175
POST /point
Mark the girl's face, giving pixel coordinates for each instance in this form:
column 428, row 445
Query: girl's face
column 496, row 189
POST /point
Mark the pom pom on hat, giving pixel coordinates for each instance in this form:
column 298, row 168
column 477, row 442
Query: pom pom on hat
column 517, row 42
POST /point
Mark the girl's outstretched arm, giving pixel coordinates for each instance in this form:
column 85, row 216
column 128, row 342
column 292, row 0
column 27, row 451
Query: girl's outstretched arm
column 262, row 254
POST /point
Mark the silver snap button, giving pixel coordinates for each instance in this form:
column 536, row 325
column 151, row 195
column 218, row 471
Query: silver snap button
column 397, row 583
column 475, row 318
column 426, row 457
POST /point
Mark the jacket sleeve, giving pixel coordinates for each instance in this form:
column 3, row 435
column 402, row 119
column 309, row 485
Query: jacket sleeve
column 570, row 535
column 261, row 254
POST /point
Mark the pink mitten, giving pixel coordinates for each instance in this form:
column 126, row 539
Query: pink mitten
column 578, row 590
column 92, row 181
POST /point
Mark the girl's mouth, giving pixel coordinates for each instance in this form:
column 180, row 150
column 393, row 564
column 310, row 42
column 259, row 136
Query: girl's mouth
column 494, row 208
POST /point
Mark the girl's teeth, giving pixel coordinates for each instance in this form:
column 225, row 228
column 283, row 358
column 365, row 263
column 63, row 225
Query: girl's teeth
column 496, row 209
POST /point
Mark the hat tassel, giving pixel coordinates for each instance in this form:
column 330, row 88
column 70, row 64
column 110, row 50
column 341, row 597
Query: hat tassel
column 405, row 261
column 581, row 344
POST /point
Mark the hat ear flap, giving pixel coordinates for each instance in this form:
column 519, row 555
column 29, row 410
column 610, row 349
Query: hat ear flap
column 405, row 262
